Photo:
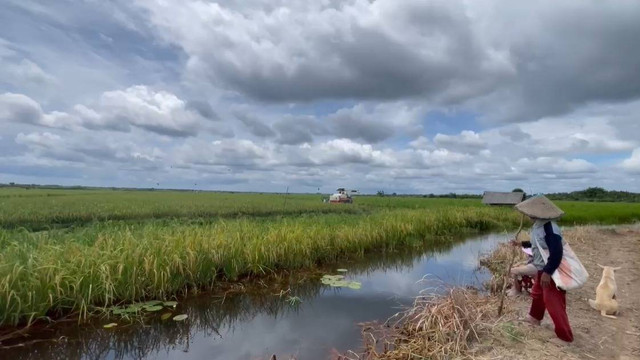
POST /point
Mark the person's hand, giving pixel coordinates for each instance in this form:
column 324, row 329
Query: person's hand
column 545, row 280
column 515, row 242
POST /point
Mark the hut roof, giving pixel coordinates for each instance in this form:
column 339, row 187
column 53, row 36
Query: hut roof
column 502, row 198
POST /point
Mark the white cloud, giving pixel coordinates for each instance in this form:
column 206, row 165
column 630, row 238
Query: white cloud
column 159, row 112
column 19, row 108
column 553, row 165
column 632, row 164
column 340, row 151
column 260, row 94
column 468, row 141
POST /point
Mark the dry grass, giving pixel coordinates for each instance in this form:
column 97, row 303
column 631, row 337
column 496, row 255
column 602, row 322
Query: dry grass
column 497, row 262
column 436, row 327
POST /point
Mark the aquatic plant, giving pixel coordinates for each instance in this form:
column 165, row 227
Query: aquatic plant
column 339, row 281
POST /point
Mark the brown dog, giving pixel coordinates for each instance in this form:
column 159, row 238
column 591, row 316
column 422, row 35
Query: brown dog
column 605, row 300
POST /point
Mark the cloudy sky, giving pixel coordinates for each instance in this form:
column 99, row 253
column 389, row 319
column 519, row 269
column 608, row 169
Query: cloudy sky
column 406, row 96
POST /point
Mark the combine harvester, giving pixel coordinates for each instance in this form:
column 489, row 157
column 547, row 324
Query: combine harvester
column 341, row 197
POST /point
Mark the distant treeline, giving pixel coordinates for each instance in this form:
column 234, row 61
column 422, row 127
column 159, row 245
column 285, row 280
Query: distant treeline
column 597, row 194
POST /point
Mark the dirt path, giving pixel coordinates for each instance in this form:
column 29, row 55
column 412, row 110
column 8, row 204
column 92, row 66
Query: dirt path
column 596, row 337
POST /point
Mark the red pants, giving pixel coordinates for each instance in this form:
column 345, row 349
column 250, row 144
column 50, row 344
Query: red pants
column 553, row 300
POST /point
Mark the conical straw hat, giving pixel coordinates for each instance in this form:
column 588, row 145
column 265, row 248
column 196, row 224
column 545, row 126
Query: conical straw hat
column 539, row 207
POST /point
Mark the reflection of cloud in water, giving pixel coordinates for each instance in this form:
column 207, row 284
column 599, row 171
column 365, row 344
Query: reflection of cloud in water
column 254, row 326
column 309, row 334
column 455, row 267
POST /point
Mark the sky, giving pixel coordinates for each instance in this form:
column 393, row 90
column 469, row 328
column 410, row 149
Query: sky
column 405, row 96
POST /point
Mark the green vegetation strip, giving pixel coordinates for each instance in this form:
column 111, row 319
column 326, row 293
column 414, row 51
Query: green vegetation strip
column 103, row 248
column 61, row 271
column 44, row 209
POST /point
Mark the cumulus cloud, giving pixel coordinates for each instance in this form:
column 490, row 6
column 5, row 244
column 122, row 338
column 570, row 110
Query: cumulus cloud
column 19, row 108
column 160, row 112
column 88, row 149
column 448, row 52
column 632, row 164
column 467, row 140
column 226, row 152
column 550, row 165
column 294, row 130
column 241, row 94
column 341, row 151
column 255, row 126
column 306, row 51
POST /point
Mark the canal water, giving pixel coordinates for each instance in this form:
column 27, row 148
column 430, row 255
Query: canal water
column 301, row 319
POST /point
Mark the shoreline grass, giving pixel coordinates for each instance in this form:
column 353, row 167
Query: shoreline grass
column 443, row 326
column 61, row 271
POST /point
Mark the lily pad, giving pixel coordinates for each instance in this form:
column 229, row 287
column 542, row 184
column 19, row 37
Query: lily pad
column 165, row 316
column 153, row 308
column 170, row 303
column 109, row 325
column 333, row 277
column 181, row 317
column 340, row 281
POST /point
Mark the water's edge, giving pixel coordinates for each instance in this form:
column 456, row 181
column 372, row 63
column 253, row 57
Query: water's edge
column 292, row 315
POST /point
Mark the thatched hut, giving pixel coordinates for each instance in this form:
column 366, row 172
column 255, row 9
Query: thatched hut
column 502, row 198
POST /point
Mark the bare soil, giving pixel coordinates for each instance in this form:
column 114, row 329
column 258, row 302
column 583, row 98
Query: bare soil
column 596, row 337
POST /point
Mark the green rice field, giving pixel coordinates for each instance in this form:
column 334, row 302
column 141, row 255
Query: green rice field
column 77, row 251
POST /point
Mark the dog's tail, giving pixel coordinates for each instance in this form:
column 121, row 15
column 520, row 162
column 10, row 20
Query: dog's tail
column 593, row 304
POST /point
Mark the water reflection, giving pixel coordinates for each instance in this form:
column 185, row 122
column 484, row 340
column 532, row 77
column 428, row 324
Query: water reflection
column 259, row 323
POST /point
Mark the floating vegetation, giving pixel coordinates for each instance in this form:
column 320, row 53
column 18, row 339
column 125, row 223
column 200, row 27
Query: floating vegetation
column 342, row 270
column 339, row 281
column 181, row 317
column 109, row 325
column 142, row 307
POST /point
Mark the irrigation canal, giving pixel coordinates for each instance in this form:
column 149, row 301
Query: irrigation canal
column 310, row 321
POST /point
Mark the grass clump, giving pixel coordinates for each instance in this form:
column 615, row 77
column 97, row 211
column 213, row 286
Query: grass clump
column 497, row 263
column 441, row 326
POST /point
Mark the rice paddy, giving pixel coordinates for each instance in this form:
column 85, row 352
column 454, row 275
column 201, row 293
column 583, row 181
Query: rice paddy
column 79, row 252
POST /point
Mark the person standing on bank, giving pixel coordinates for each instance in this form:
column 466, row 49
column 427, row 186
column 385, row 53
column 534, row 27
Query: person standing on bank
column 546, row 295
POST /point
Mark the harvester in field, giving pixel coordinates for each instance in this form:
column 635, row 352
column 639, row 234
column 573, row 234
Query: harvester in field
column 341, row 197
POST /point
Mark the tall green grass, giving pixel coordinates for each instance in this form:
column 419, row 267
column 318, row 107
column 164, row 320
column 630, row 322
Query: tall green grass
column 581, row 212
column 125, row 246
column 62, row 271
